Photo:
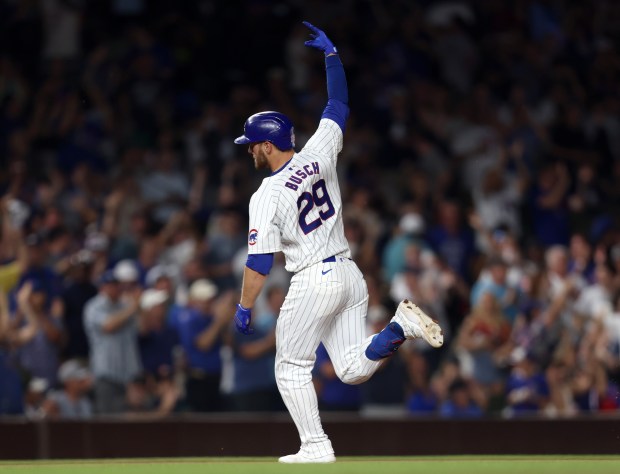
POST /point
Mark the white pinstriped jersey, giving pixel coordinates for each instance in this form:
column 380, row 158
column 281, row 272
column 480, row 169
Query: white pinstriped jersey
column 298, row 209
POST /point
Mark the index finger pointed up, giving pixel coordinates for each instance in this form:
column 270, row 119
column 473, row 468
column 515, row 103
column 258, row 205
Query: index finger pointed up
column 311, row 26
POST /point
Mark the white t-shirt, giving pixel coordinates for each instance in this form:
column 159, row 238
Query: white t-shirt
column 594, row 301
column 298, row 209
column 500, row 207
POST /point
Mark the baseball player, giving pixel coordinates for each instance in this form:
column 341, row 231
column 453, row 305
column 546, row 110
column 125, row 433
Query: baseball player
column 298, row 210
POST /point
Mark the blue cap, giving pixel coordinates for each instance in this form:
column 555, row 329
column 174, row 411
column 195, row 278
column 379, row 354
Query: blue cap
column 38, row 286
column 108, row 277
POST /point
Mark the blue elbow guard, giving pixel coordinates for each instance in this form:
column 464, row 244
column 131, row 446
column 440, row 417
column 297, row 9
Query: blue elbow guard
column 260, row 263
column 336, row 111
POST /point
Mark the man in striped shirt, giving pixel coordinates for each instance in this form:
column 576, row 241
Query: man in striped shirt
column 112, row 331
column 298, row 210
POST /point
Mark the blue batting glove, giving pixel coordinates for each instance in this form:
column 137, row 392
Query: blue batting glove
column 243, row 318
column 320, row 40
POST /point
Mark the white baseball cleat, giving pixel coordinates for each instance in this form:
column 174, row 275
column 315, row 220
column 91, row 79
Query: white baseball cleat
column 416, row 324
column 300, row 458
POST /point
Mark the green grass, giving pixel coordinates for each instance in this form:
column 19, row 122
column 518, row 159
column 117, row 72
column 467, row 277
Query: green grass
column 345, row 465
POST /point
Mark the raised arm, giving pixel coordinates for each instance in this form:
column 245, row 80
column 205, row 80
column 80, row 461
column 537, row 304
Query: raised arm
column 337, row 94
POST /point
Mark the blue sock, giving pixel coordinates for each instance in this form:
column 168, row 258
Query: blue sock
column 386, row 342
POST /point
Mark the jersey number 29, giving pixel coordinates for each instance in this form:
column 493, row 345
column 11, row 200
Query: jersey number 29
column 307, row 201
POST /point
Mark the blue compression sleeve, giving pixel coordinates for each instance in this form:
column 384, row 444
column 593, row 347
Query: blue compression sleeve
column 337, row 92
column 261, row 262
column 336, row 79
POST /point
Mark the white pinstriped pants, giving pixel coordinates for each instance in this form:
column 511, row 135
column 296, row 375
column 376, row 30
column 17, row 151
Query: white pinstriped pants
column 326, row 302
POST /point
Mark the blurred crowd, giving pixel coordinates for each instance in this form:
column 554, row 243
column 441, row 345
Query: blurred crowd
column 480, row 180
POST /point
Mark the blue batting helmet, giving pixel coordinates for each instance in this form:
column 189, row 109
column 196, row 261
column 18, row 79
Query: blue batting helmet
column 271, row 127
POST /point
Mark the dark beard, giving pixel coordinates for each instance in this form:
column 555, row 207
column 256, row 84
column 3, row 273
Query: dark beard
column 261, row 163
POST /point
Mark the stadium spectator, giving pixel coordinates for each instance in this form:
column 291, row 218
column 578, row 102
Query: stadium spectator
column 156, row 339
column 561, row 403
column 200, row 328
column 558, row 279
column 111, row 327
column 548, row 203
column 581, row 260
column 14, row 252
column 408, row 232
column 36, row 270
column 72, row 400
column 385, row 392
column 480, row 338
column 494, row 281
column 452, row 240
column 39, row 335
column 333, row 394
column 224, row 241
column 254, row 387
column 164, row 187
column 527, row 389
column 148, row 398
column 421, row 400
column 77, row 291
column 34, row 398
column 497, row 201
column 461, row 402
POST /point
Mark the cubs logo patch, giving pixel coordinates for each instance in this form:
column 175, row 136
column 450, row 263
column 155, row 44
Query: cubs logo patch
column 252, row 237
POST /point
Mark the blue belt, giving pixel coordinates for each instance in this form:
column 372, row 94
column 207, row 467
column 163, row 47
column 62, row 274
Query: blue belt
column 333, row 259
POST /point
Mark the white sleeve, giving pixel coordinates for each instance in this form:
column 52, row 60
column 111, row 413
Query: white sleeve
column 263, row 233
column 327, row 140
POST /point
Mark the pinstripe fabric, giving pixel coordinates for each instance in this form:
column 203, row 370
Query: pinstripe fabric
column 113, row 356
column 274, row 213
column 329, row 308
column 298, row 211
